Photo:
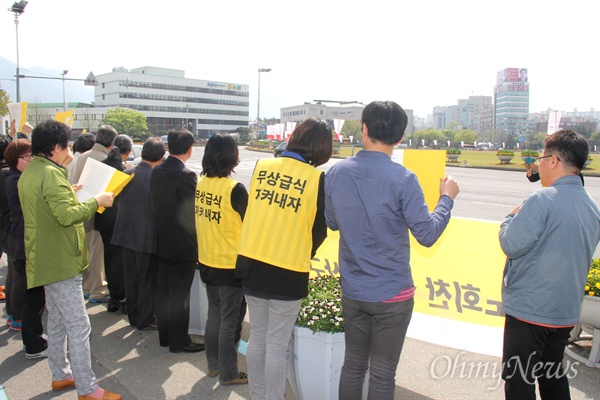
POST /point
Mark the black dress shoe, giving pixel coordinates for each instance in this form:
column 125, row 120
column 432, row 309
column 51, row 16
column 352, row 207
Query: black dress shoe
column 190, row 348
column 163, row 344
column 116, row 305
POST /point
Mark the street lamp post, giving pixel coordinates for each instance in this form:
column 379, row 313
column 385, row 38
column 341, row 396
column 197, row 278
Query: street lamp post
column 18, row 8
column 258, row 106
column 64, row 96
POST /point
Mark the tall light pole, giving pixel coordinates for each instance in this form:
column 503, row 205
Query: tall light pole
column 258, row 107
column 18, row 8
column 64, row 96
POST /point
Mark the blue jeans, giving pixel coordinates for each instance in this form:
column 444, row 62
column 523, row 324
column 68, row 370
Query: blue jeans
column 374, row 334
column 271, row 327
column 222, row 325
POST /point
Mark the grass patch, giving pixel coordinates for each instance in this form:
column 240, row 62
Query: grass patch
column 488, row 159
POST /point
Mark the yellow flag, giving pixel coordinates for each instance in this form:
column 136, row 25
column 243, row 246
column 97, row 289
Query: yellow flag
column 66, row 117
column 118, row 181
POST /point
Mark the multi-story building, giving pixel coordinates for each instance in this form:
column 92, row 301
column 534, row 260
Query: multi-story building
column 443, row 115
column 511, row 101
column 171, row 100
column 480, row 118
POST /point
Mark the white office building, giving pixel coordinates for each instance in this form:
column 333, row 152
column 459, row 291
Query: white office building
column 170, row 100
column 330, row 110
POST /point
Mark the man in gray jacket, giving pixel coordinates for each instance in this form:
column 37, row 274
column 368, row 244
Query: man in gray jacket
column 93, row 277
column 549, row 241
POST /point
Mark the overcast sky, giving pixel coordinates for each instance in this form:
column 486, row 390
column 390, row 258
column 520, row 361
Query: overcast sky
column 419, row 53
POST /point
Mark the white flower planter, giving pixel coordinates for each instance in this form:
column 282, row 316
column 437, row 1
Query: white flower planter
column 589, row 321
column 198, row 306
column 315, row 365
column 505, row 159
column 452, row 157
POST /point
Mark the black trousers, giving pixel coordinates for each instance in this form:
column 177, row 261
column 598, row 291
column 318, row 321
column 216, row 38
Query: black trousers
column 172, row 302
column 140, row 286
column 532, row 352
column 34, row 302
column 113, row 267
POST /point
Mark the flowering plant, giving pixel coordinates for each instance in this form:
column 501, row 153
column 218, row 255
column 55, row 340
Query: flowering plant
column 453, row 150
column 321, row 309
column 592, row 286
column 503, row 152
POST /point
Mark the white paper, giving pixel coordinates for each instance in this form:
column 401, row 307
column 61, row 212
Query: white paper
column 95, row 178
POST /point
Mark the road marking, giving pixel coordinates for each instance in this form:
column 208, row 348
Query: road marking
column 492, row 204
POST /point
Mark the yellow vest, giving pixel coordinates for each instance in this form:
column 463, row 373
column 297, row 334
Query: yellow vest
column 218, row 225
column 282, row 204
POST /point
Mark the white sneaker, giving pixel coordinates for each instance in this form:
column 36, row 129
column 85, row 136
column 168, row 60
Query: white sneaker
column 41, row 354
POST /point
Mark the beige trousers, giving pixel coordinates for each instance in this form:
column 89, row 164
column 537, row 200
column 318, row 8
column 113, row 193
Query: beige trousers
column 94, row 282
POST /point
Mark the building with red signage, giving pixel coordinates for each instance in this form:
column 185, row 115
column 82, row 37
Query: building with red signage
column 511, row 101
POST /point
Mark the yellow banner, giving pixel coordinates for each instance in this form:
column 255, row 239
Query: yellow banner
column 460, row 276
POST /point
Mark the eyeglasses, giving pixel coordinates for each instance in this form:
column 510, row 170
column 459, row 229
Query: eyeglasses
column 27, row 157
column 537, row 159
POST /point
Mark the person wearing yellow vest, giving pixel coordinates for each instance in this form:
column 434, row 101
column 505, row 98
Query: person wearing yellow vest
column 283, row 227
column 220, row 205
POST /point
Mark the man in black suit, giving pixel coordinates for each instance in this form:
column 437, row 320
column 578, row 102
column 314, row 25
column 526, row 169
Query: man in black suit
column 172, row 188
column 133, row 232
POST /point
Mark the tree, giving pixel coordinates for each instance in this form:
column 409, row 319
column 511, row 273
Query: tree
column 4, row 100
column 127, row 122
column 37, row 114
column 244, row 132
column 86, row 121
column 467, row 136
column 352, row 128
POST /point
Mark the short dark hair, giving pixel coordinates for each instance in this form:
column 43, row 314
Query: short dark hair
column 47, row 135
column 572, row 148
column 221, row 155
column 386, row 121
column 153, row 149
column 15, row 150
column 4, row 142
column 179, row 141
column 106, row 135
column 313, row 140
column 83, row 143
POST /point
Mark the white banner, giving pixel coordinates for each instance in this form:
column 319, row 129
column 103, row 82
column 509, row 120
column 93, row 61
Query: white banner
column 337, row 125
column 553, row 121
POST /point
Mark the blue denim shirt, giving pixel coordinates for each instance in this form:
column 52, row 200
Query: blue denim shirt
column 374, row 202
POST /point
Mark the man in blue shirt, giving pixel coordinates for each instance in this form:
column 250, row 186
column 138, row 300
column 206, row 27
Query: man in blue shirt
column 374, row 202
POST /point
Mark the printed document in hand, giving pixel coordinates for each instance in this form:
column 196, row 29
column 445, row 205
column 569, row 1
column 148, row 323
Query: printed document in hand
column 98, row 177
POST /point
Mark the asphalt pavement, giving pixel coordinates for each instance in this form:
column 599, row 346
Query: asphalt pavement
column 130, row 362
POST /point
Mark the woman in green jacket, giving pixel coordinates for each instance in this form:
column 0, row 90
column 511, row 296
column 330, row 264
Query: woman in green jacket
column 56, row 255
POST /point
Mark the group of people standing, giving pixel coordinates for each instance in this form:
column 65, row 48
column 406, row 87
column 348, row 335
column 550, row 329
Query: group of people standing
column 254, row 248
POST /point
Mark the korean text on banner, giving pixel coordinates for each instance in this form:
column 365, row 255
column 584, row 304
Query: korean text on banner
column 458, row 278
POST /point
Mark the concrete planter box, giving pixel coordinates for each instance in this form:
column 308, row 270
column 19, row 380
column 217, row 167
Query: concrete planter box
column 505, row 159
column 315, row 365
column 452, row 157
column 589, row 322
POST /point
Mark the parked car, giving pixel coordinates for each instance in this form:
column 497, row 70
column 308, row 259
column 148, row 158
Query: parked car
column 135, row 156
column 279, row 149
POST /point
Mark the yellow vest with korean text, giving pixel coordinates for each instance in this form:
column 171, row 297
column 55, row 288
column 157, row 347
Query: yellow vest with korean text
column 282, row 204
column 218, row 225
